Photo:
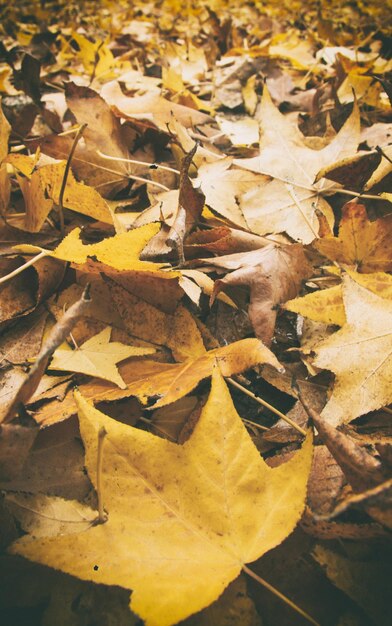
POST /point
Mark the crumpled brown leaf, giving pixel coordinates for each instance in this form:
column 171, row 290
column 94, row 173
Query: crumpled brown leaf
column 272, row 273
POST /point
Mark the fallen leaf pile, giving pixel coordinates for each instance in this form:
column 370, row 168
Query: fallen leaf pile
column 195, row 313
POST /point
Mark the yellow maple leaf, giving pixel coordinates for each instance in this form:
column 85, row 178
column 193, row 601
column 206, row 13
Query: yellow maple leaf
column 41, row 190
column 97, row 357
column 359, row 354
column 182, row 520
column 120, row 252
column 361, row 243
column 168, row 381
column 327, row 305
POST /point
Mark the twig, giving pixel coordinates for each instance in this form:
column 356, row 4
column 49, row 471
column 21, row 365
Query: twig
column 280, row 595
column 66, row 172
column 102, row 516
column 267, row 405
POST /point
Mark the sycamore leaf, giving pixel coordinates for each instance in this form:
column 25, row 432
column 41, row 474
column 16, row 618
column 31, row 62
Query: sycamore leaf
column 273, row 274
column 177, row 330
column 324, row 306
column 120, row 252
column 176, row 532
column 103, row 132
column 97, row 357
column 327, row 305
column 167, row 381
column 361, row 243
column 222, row 186
column 41, row 190
column 359, row 354
column 289, row 202
column 151, row 103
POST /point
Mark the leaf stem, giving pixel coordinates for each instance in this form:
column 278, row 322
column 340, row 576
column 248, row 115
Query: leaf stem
column 267, row 405
column 355, row 194
column 280, row 595
column 135, row 162
column 23, row 267
column 102, row 516
column 78, row 135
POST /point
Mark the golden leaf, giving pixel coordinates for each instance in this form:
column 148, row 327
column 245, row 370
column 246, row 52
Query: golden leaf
column 176, row 532
column 97, row 357
column 359, row 354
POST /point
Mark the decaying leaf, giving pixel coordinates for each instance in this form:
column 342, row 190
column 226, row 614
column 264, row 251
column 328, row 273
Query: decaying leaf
column 211, row 537
column 273, row 274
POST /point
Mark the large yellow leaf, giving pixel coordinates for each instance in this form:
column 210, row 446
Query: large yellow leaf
column 97, row 357
column 360, row 354
column 182, row 520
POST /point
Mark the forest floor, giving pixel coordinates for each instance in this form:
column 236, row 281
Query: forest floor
column 195, row 313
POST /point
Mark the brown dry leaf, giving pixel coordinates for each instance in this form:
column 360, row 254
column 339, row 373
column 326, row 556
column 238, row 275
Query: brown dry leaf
column 22, row 293
column 365, row 581
column 223, row 240
column 103, row 133
column 166, row 381
column 290, row 201
column 152, row 105
column 359, row 354
column 177, row 330
column 57, row 335
column 361, row 469
column 161, row 289
column 209, row 531
column 17, row 295
column 15, row 444
column 186, row 217
column 170, row 421
column 22, row 342
column 351, row 172
column 272, row 273
column 41, row 192
column 54, row 466
column 97, row 357
column 361, row 243
column 326, row 483
column 5, row 185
